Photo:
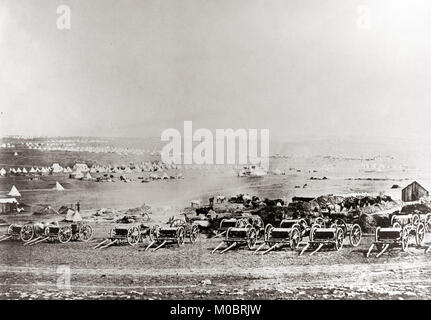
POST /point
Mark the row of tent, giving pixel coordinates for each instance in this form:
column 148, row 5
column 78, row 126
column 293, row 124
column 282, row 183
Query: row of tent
column 83, row 168
column 98, row 149
column 33, row 170
column 15, row 193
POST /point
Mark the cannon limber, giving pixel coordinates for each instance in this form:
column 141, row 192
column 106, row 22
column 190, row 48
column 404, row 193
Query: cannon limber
column 322, row 236
column 226, row 224
column 128, row 235
column 289, row 233
column 24, row 232
column 77, row 231
column 246, row 232
column 176, row 232
column 398, row 235
column 351, row 230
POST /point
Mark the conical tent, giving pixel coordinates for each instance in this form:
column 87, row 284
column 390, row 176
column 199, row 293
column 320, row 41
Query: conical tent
column 24, row 170
column 58, row 186
column 32, row 170
column 88, row 176
column 14, row 192
column 73, row 216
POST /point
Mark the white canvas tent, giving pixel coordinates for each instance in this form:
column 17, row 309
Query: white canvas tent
column 58, row 186
column 14, row 192
column 73, row 216
column 32, row 170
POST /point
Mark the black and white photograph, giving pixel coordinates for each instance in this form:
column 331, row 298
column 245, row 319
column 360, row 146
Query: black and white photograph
column 207, row 150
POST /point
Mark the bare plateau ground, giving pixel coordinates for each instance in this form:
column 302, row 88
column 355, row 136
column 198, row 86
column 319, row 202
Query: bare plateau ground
column 192, row 272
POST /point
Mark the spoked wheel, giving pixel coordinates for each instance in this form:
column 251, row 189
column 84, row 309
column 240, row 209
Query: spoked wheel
column 65, row 234
column 9, row 229
column 313, row 229
column 428, row 223
column 355, row 235
column 85, row 232
column 404, row 239
column 27, row 232
column 112, row 233
column 420, row 234
column 251, row 238
column 268, row 231
column 415, row 219
column 339, row 239
column 154, row 232
column 180, row 236
column 194, row 233
column 295, row 238
column 341, row 224
column 133, row 236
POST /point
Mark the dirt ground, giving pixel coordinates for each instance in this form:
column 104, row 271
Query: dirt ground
column 192, row 272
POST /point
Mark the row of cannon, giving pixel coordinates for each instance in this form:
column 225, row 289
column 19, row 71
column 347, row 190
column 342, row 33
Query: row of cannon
column 297, row 234
column 31, row 234
column 291, row 233
column 175, row 232
column 320, row 232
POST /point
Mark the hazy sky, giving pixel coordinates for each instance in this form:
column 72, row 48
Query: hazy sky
column 133, row 68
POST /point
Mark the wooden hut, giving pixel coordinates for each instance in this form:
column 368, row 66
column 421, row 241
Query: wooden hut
column 413, row 192
column 8, row 205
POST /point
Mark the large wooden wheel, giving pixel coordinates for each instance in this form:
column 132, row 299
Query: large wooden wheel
column 295, row 238
column 154, row 232
column 355, row 235
column 133, row 236
column 340, row 223
column 313, row 229
column 194, row 233
column 404, row 239
column 268, row 231
column 27, row 232
column 85, row 232
column 64, row 234
column 420, row 234
column 428, row 222
column 9, row 229
column 112, row 233
column 251, row 238
column 339, row 238
column 180, row 236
